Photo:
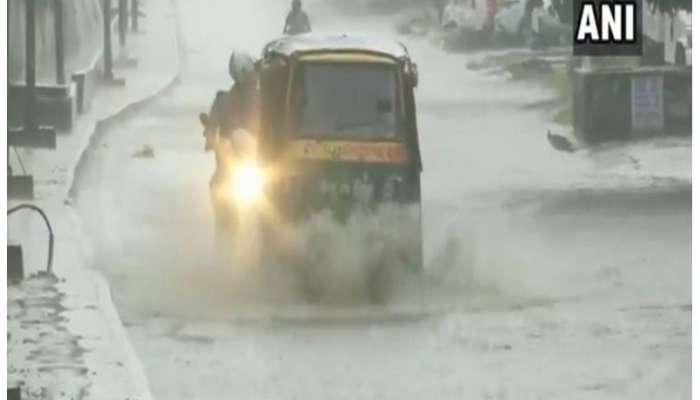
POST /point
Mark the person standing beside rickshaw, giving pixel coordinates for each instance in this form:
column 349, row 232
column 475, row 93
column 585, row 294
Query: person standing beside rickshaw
column 231, row 122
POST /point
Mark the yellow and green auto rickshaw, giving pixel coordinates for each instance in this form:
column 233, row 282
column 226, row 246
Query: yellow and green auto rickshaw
column 339, row 110
column 338, row 132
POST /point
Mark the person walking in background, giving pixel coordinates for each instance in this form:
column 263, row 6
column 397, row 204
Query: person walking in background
column 537, row 11
column 491, row 11
column 297, row 21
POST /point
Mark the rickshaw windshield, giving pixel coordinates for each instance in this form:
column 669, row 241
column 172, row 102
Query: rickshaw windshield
column 347, row 101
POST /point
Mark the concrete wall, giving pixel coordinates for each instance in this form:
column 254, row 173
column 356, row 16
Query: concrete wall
column 605, row 103
column 83, row 34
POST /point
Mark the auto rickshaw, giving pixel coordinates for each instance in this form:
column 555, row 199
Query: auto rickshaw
column 338, row 134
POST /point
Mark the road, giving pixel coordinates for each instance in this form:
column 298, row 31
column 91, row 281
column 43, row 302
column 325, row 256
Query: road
column 553, row 276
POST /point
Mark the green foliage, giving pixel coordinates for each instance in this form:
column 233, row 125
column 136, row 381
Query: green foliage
column 670, row 6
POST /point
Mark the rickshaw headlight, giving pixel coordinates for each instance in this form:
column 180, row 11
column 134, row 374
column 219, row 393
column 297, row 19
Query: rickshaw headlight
column 248, row 183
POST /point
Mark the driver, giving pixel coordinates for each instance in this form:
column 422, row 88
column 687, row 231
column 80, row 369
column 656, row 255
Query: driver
column 297, row 21
column 232, row 117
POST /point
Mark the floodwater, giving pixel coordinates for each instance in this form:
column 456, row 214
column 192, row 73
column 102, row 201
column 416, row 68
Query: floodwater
column 551, row 275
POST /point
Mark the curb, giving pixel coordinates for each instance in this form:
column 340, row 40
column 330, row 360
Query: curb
column 103, row 126
column 137, row 373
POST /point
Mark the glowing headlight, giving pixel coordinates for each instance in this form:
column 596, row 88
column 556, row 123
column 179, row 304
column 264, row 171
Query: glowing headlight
column 248, row 183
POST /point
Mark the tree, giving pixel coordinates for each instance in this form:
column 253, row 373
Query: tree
column 671, row 6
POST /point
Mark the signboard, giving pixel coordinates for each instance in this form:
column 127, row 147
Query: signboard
column 368, row 152
column 647, row 103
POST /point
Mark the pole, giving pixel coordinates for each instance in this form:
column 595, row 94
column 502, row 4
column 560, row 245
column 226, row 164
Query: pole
column 134, row 15
column 107, row 16
column 30, row 67
column 123, row 21
column 60, row 42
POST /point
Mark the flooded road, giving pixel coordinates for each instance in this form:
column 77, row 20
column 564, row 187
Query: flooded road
column 552, row 276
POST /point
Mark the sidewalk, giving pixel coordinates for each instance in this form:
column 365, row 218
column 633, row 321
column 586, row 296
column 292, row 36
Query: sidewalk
column 65, row 338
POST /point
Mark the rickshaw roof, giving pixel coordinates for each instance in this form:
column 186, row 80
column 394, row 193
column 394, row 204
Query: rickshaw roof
column 314, row 42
